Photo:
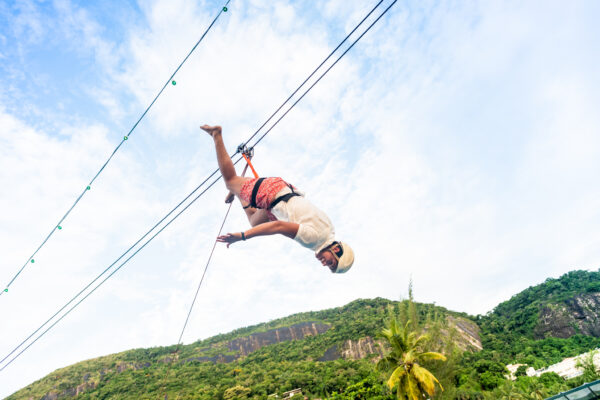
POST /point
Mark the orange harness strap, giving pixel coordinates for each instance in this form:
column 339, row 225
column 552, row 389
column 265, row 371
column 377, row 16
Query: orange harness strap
column 250, row 164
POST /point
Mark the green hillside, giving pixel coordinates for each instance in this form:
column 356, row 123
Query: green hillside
column 276, row 368
column 509, row 331
column 331, row 353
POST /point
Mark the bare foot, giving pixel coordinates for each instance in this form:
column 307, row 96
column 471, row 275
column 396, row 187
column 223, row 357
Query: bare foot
column 212, row 130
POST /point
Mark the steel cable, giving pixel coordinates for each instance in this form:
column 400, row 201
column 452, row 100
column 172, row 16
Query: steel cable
column 89, row 185
column 187, row 206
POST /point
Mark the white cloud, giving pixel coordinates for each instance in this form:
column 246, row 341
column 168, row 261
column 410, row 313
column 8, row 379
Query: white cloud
column 455, row 144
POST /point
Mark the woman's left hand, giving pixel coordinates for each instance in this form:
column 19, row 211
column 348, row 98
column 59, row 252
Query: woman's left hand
column 230, row 238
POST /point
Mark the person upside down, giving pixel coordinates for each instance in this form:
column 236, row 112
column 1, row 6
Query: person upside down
column 275, row 207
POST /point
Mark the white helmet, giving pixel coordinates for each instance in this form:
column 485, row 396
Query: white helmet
column 345, row 257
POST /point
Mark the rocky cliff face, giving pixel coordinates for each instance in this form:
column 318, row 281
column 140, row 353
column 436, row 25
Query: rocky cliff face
column 362, row 348
column 467, row 338
column 354, row 350
column 248, row 344
column 579, row 314
column 72, row 392
column 468, row 333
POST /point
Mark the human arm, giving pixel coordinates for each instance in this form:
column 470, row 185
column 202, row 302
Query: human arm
column 289, row 229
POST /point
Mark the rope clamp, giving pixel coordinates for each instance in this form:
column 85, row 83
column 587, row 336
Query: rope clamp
column 245, row 150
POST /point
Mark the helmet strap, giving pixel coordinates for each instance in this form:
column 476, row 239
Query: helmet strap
column 335, row 253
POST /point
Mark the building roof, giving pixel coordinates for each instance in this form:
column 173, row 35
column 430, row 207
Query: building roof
column 589, row 391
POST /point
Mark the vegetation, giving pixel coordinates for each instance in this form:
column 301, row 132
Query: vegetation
column 408, row 377
column 591, row 372
column 508, row 331
column 507, row 334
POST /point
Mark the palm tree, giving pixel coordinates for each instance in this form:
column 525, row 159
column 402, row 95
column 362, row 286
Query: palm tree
column 410, row 379
column 508, row 391
column 537, row 391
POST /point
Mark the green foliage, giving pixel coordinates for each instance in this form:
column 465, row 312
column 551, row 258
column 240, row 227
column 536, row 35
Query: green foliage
column 591, row 372
column 145, row 374
column 490, row 380
column 521, row 371
column 236, row 393
column 527, row 388
column 506, row 334
column 409, row 350
column 367, row 389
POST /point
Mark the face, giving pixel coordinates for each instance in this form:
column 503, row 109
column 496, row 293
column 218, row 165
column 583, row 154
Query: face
column 327, row 259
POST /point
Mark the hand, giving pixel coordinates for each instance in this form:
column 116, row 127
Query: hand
column 230, row 238
column 230, row 197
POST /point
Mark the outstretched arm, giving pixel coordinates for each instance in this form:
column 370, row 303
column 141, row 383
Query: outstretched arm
column 289, row 229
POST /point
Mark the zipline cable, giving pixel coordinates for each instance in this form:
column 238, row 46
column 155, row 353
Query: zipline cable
column 314, row 72
column 175, row 217
column 58, row 226
column 110, row 275
column 209, row 259
column 203, row 274
column 111, row 265
column 196, row 189
column 197, row 291
column 323, row 74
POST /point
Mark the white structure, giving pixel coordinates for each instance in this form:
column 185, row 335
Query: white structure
column 512, row 370
column 566, row 368
column 286, row 395
column 292, row 393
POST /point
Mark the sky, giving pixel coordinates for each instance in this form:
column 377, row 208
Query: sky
column 457, row 145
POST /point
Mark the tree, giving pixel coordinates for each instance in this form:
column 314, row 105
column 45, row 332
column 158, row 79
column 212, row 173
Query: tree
column 586, row 363
column 531, row 388
column 491, row 373
column 508, row 391
column 237, row 392
column 521, row 370
column 536, row 391
column 409, row 378
column 368, row 388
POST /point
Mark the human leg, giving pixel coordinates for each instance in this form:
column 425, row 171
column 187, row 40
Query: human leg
column 232, row 180
column 256, row 216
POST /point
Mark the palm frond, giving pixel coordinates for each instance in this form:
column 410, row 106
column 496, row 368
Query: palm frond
column 412, row 389
column 395, row 377
column 425, row 379
column 418, row 341
column 431, row 355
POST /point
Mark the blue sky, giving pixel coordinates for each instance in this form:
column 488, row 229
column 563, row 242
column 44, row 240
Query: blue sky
column 456, row 144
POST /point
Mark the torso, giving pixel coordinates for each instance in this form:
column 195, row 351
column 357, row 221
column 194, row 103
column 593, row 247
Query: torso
column 316, row 230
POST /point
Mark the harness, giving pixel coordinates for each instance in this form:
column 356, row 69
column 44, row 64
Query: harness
column 247, row 153
column 285, row 198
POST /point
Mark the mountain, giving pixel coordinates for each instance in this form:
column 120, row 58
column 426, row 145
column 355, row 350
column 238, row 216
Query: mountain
column 331, row 353
column 547, row 322
column 578, row 314
column 319, row 351
column 573, row 299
